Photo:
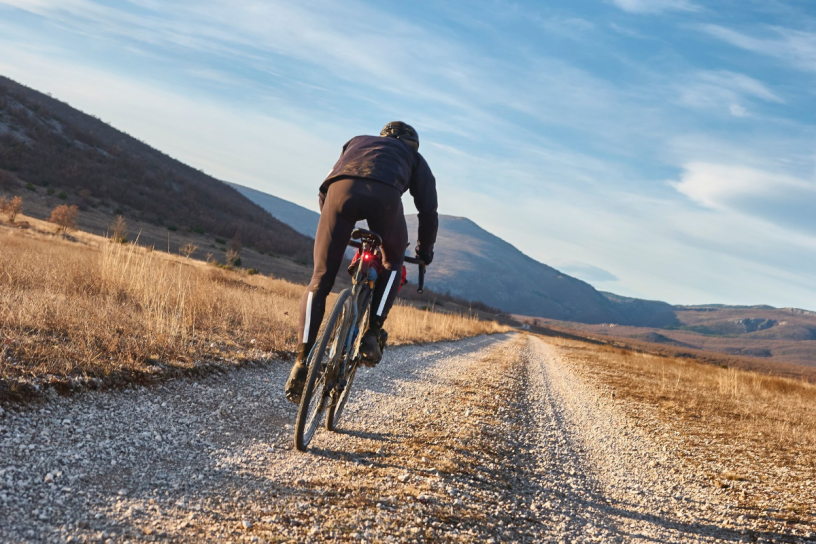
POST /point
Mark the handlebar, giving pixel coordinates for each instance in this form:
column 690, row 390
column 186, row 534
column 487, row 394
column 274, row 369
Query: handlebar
column 411, row 260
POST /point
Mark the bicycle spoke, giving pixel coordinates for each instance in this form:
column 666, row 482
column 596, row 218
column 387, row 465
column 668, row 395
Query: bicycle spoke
column 322, row 377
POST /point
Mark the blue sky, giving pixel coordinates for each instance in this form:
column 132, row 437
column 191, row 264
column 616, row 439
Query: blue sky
column 662, row 149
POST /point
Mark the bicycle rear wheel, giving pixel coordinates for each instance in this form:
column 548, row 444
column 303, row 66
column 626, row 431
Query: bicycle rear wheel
column 326, row 352
column 336, row 409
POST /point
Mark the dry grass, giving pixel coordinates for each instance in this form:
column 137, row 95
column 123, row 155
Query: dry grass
column 776, row 411
column 99, row 308
column 751, row 434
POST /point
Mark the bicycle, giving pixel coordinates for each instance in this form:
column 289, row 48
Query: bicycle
column 335, row 357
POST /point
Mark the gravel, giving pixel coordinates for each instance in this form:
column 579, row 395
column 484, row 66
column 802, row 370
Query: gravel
column 486, row 439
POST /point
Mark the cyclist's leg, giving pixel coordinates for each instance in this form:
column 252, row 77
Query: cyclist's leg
column 388, row 220
column 394, row 233
column 337, row 220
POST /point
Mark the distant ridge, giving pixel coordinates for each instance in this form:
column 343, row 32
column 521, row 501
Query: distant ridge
column 473, row 263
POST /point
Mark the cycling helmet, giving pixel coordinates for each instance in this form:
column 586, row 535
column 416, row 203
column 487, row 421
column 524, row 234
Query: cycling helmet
column 401, row 131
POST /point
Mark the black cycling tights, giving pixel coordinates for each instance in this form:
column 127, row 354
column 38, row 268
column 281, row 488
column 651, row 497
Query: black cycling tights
column 348, row 201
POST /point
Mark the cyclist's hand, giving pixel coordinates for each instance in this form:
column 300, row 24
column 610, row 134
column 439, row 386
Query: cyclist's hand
column 425, row 256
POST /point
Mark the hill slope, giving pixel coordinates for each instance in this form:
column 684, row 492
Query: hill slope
column 473, row 263
column 55, row 147
column 299, row 218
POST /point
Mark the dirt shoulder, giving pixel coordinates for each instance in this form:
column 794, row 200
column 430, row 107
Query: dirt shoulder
column 743, row 440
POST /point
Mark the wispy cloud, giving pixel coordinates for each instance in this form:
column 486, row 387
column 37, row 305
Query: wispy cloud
column 794, row 47
column 586, row 272
column 740, row 83
column 655, row 6
column 725, row 91
column 737, row 110
column 771, row 196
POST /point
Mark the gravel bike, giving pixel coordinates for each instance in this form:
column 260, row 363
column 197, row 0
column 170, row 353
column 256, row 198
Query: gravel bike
column 335, row 357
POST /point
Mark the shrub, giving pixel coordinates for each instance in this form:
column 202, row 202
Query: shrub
column 119, row 230
column 234, row 252
column 30, row 187
column 188, row 249
column 199, row 230
column 220, row 241
column 233, row 258
column 251, row 272
column 172, row 228
column 62, row 195
column 64, row 217
column 11, row 207
column 49, row 191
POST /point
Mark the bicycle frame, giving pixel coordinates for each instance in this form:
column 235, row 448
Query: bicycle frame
column 359, row 279
column 331, row 379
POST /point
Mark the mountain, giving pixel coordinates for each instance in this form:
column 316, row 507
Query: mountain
column 299, row 218
column 473, row 264
column 53, row 148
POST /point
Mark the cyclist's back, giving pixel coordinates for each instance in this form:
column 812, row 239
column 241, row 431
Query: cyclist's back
column 386, row 160
column 367, row 182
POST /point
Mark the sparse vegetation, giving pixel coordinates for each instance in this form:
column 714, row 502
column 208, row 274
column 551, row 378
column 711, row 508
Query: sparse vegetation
column 188, row 249
column 67, row 309
column 233, row 258
column 64, row 217
column 740, row 418
column 780, row 410
column 119, row 230
column 12, row 207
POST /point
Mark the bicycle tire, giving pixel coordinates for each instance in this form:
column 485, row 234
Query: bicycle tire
column 308, row 416
column 336, row 410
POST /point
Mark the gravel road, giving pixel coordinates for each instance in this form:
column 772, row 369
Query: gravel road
column 490, row 439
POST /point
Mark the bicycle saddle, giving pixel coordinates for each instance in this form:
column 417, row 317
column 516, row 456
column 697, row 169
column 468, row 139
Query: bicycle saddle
column 367, row 235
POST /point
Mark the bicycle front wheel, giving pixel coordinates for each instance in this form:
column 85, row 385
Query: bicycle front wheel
column 336, row 409
column 327, row 351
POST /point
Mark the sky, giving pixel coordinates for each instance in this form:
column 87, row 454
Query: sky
column 662, row 149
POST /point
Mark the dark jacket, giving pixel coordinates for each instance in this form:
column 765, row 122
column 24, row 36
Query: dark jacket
column 395, row 163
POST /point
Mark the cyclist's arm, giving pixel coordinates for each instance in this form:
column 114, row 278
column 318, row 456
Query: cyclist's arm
column 324, row 188
column 423, row 189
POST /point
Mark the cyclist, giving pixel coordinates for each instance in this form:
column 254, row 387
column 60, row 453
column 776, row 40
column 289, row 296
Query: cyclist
column 367, row 182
